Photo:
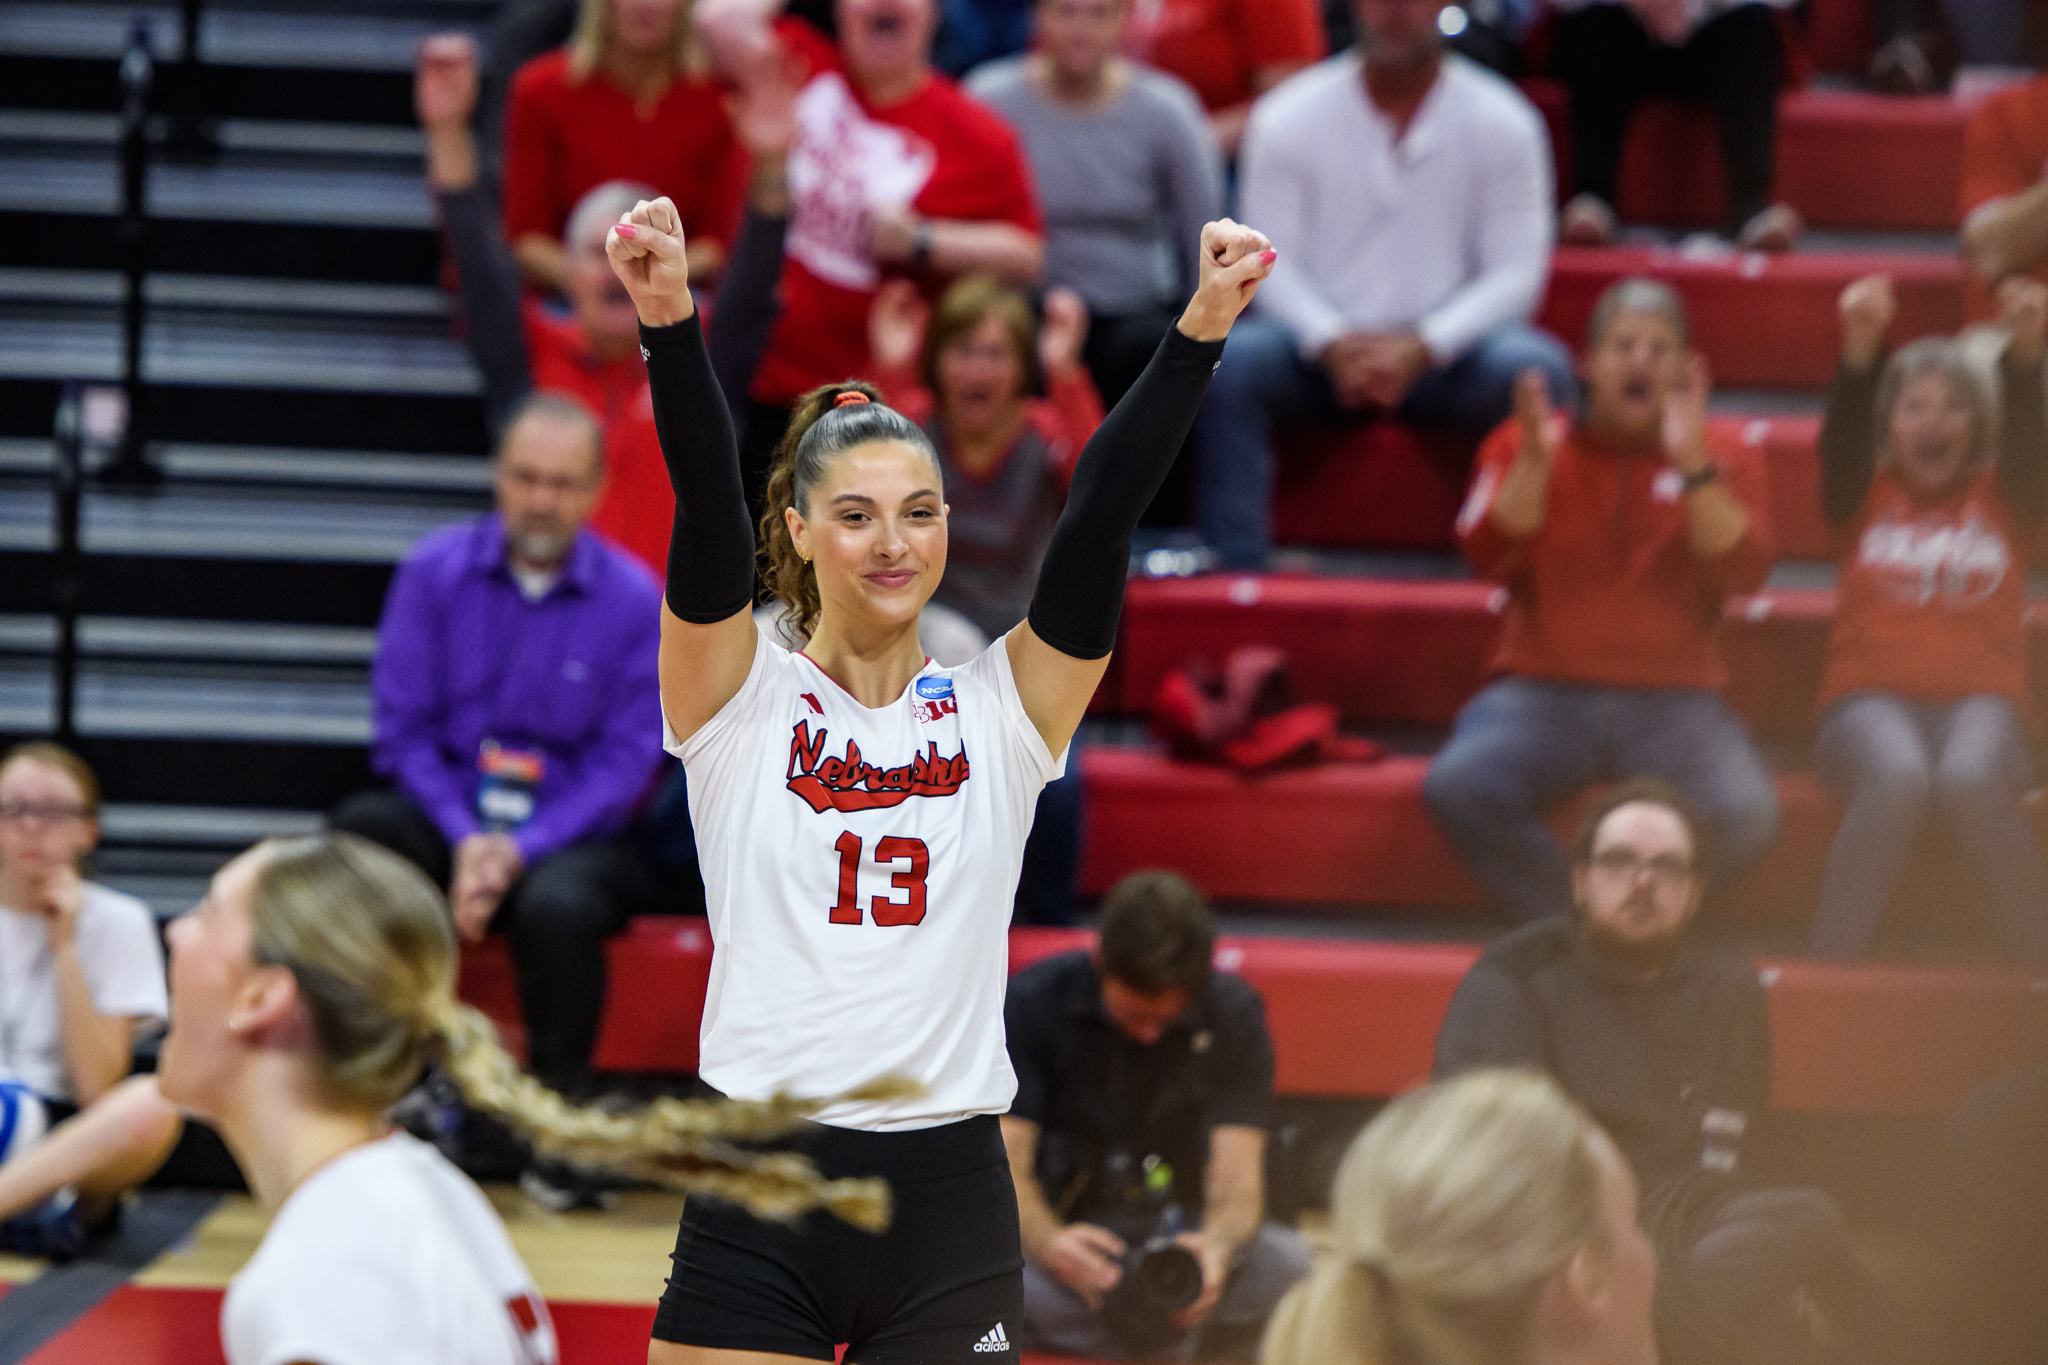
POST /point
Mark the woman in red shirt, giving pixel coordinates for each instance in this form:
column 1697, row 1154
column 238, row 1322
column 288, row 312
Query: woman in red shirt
column 630, row 98
column 1923, row 704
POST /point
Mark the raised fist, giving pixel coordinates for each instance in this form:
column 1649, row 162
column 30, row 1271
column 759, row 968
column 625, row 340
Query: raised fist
column 1234, row 258
column 896, row 322
column 646, row 250
column 1543, row 426
column 1062, row 331
column 1867, row 307
column 762, row 107
column 444, row 82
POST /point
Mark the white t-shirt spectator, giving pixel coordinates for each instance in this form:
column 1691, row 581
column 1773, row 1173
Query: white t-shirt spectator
column 386, row 1255
column 123, row 962
column 1446, row 232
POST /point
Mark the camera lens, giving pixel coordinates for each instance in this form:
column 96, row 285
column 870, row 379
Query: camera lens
column 1170, row 1278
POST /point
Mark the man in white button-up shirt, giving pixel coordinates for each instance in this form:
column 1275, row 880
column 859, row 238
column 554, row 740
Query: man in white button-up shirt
column 1409, row 194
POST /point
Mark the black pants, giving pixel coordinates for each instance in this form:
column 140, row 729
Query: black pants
column 556, row 918
column 1733, row 64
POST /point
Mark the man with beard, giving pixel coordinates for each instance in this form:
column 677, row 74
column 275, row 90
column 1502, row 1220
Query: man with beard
column 518, row 723
column 1666, row 1041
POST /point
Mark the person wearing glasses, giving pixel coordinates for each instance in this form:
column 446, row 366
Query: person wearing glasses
column 1666, row 1041
column 81, row 978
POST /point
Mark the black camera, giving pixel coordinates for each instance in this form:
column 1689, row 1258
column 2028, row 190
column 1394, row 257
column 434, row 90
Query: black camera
column 1161, row 1277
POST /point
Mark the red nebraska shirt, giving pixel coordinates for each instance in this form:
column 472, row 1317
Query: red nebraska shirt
column 1216, row 45
column 2005, row 151
column 564, row 139
column 1608, row 590
column 938, row 151
column 638, row 507
column 1931, row 598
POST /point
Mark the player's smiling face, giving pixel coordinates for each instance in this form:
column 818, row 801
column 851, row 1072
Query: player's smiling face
column 876, row 533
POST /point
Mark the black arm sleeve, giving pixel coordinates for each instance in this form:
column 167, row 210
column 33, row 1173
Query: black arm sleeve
column 2023, row 444
column 1848, row 443
column 747, row 306
column 711, row 548
column 490, row 302
column 1081, row 584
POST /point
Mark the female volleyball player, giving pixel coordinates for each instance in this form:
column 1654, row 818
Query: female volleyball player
column 1481, row 1219
column 306, row 992
column 862, row 814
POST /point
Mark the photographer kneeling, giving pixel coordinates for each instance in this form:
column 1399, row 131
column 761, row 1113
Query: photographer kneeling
column 1137, row 1141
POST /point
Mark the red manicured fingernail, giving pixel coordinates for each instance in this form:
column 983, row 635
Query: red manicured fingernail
column 1269, row 256
column 628, row 231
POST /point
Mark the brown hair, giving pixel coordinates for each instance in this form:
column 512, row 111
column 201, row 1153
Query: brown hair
column 593, row 34
column 820, row 431
column 370, row 943
column 54, row 755
column 1452, row 1211
column 964, row 307
column 1156, row 934
column 1648, row 791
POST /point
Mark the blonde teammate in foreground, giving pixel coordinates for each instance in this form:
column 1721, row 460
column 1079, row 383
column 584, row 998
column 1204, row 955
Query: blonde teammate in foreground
column 307, row 991
column 1481, row 1221
column 861, row 816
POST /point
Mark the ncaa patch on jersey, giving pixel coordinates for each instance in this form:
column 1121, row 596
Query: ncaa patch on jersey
column 931, row 689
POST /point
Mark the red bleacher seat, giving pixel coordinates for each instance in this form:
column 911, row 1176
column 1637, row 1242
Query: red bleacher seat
column 1379, row 485
column 1845, row 160
column 1360, row 835
column 1841, row 33
column 1763, row 321
column 1360, row 1019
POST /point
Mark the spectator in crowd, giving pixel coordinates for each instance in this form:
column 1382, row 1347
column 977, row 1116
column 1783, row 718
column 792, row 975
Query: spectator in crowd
column 972, row 32
column 1144, row 1086
column 592, row 353
column 1408, row 193
column 2005, row 189
column 1230, row 51
column 1480, row 1219
column 1667, row 1042
column 1923, row 704
column 892, row 171
column 1726, row 53
column 630, row 98
column 1127, row 174
column 1920, row 43
column 1617, row 537
column 81, row 978
column 516, row 717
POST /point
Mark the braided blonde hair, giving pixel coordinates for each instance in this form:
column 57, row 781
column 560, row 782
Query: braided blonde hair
column 369, row 940
column 1453, row 1210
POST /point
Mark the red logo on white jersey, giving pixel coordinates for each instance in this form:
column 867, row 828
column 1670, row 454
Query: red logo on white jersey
column 929, row 711
column 812, row 698
column 852, row 783
column 536, row 1329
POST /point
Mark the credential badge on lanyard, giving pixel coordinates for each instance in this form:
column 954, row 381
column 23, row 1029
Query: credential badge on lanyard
column 504, row 795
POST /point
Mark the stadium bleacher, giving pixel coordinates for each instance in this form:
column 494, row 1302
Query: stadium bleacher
column 313, row 416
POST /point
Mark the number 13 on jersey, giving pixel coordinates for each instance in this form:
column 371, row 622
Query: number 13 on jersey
column 890, row 852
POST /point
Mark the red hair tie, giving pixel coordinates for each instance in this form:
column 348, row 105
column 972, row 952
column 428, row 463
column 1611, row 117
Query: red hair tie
column 849, row 398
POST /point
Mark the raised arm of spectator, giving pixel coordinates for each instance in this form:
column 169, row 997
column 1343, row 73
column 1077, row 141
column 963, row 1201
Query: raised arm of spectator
column 408, row 698
column 1848, row 426
column 444, row 94
column 1060, row 651
column 1723, row 499
column 1194, row 181
column 1511, row 242
column 2023, row 421
column 1068, row 386
column 2004, row 200
column 763, row 114
column 707, row 626
column 737, row 34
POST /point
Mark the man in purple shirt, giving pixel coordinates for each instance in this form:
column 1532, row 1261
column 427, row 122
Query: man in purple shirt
column 518, row 720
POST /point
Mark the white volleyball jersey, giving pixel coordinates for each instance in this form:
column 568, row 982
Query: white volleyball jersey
column 859, row 869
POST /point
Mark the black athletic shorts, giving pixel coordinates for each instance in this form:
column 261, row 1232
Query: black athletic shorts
column 942, row 1286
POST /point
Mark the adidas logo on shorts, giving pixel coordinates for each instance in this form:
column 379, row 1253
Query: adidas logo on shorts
column 994, row 1341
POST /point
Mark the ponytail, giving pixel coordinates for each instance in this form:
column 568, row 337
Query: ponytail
column 1334, row 1317
column 821, row 428
column 681, row 1144
column 369, row 941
